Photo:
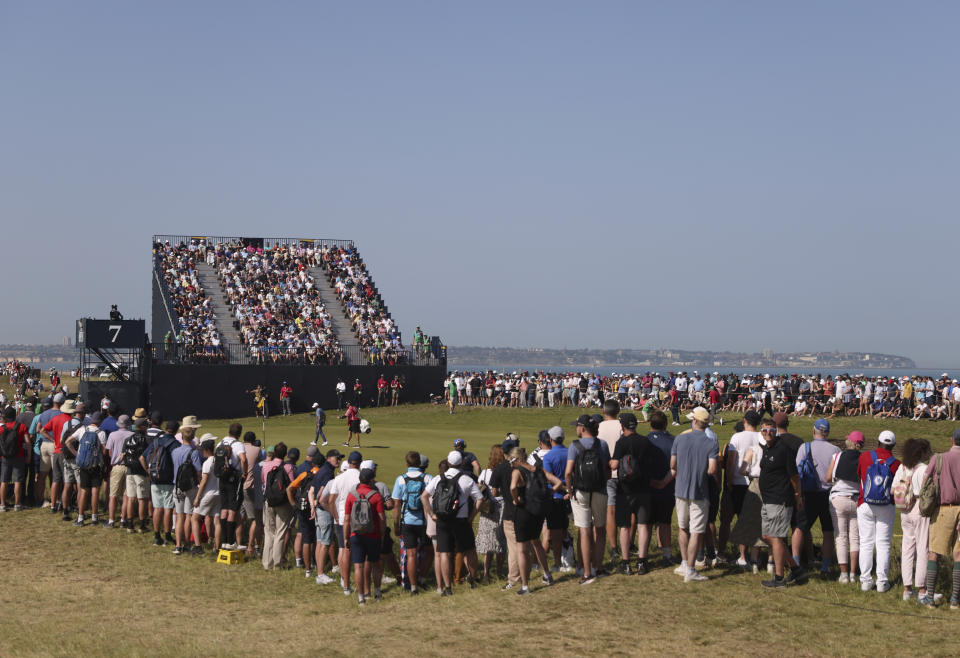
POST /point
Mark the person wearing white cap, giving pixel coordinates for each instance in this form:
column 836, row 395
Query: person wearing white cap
column 875, row 511
column 321, row 421
column 446, row 501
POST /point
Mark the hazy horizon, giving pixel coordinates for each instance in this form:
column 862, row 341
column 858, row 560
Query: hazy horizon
column 621, row 175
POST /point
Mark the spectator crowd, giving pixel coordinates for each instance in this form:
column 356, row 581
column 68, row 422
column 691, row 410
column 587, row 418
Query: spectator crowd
column 196, row 332
column 276, row 306
column 916, row 397
column 377, row 334
column 589, row 506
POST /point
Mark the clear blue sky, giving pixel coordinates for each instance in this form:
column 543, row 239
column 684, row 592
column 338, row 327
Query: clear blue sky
column 735, row 175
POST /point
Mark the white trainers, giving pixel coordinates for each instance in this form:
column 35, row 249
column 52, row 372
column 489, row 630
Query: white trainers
column 844, row 578
column 908, row 594
column 883, row 586
column 694, row 577
column 867, row 586
column 743, row 564
column 681, row 570
column 335, row 569
column 389, row 579
column 323, row 579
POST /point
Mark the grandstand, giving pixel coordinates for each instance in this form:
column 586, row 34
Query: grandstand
column 298, row 301
column 233, row 313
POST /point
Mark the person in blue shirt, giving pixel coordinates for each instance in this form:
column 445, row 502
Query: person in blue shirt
column 322, row 519
column 555, row 462
column 184, row 456
column 410, row 523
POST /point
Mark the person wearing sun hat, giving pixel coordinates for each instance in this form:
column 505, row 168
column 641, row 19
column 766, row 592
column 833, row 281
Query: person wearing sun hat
column 875, row 518
column 844, row 492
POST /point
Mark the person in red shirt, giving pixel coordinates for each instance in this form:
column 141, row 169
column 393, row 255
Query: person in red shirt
column 365, row 547
column 353, row 423
column 875, row 521
column 285, row 392
column 14, row 468
column 714, row 397
column 381, row 390
column 52, row 431
column 674, row 397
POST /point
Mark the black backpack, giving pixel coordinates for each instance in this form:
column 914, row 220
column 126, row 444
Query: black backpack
column 133, row 447
column 187, row 475
column 587, row 469
column 221, row 461
column 10, row 441
column 277, row 483
column 303, row 498
column 446, row 497
column 160, row 466
column 537, row 496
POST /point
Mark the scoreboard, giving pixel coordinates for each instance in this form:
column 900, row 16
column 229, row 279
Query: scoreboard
column 110, row 334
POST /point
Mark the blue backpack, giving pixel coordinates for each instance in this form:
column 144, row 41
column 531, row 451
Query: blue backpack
column 809, row 478
column 413, row 487
column 89, row 451
column 876, row 486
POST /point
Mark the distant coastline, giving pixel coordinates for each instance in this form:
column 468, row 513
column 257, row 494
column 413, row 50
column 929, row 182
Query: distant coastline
column 670, row 359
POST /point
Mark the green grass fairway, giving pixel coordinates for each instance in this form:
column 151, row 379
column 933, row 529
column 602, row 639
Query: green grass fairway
column 93, row 591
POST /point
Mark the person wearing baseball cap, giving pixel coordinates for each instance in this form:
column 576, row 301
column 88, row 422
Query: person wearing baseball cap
column 813, row 464
column 844, row 491
column 634, row 504
column 454, row 529
column 321, row 420
column 469, row 463
column 335, row 501
column 876, row 512
column 588, row 490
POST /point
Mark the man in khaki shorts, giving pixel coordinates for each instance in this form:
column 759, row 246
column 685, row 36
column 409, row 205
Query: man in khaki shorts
column 118, row 470
column 586, row 475
column 49, row 409
column 693, row 458
column 944, row 522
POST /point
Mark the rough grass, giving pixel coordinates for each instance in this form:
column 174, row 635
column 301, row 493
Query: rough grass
column 94, row 591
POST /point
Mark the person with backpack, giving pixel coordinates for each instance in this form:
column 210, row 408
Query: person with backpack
column 306, row 543
column 531, row 489
column 157, row 461
column 586, row 475
column 409, row 520
column 915, row 527
column 364, row 523
column 631, row 461
column 137, row 487
column 326, row 537
column 14, row 448
column 277, row 512
column 87, row 444
column 941, row 491
column 844, row 492
column 875, row 511
column 446, row 501
column 813, row 465
column 71, row 475
column 335, row 502
column 490, row 540
column 187, row 467
column 231, row 468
